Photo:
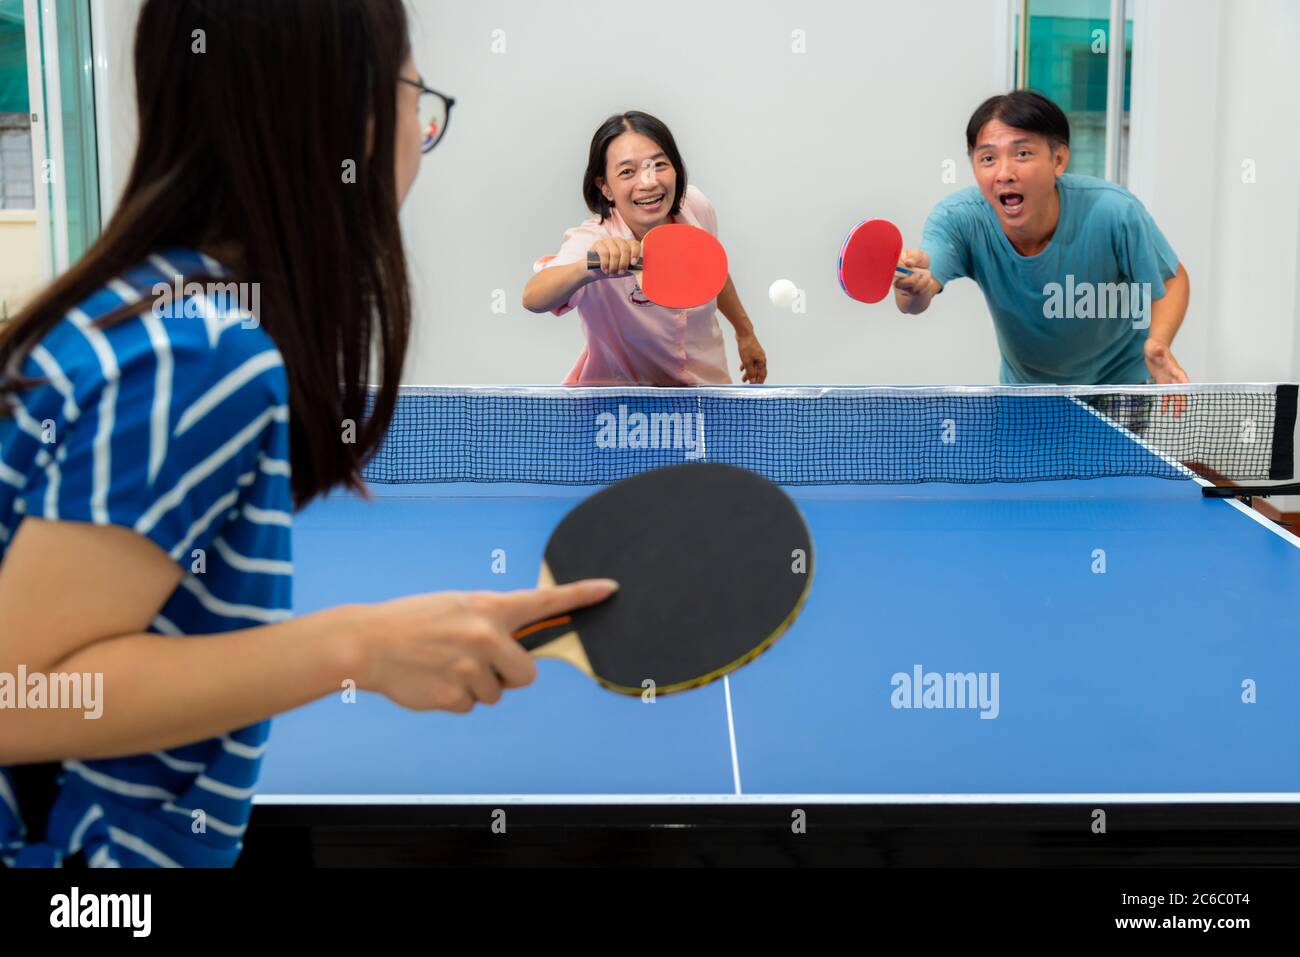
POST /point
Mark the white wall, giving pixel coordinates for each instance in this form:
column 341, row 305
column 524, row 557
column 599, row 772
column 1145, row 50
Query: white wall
column 1295, row 310
column 114, row 23
column 1255, row 300
column 1217, row 84
column 793, row 149
column 1175, row 99
column 20, row 259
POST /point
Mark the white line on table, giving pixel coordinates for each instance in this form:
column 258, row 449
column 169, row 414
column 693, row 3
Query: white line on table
column 731, row 733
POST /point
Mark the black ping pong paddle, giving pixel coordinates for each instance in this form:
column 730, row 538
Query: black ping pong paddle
column 714, row 563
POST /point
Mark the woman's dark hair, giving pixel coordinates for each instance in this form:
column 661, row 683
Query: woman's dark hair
column 633, row 121
column 1025, row 110
column 251, row 116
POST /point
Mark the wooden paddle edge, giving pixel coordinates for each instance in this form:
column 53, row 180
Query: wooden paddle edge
column 568, row 647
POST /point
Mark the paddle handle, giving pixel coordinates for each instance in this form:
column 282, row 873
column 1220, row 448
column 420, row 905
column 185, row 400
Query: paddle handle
column 593, row 262
column 539, row 633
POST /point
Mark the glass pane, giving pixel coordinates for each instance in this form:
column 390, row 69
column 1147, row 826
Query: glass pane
column 433, row 118
column 16, row 185
column 19, row 236
column 80, row 155
column 1068, row 62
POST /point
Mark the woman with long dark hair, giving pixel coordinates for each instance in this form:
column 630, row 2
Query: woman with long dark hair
column 156, row 438
column 635, row 181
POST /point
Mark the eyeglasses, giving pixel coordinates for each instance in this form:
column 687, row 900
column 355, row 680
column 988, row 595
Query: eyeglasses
column 435, row 113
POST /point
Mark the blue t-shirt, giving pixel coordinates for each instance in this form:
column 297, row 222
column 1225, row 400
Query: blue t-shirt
column 175, row 426
column 1072, row 314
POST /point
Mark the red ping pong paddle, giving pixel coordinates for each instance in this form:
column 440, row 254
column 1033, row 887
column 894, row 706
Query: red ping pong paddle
column 681, row 266
column 869, row 260
column 713, row 563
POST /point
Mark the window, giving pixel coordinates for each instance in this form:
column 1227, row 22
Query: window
column 77, row 98
column 16, row 183
column 1069, row 60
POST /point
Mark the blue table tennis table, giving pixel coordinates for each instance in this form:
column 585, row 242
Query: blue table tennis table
column 976, row 662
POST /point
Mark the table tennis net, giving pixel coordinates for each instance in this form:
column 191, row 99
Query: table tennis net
column 841, row 435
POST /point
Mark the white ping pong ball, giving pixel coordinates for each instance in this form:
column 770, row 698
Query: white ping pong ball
column 782, row 293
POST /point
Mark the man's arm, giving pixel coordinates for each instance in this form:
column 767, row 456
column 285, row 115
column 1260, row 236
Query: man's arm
column 1167, row 314
column 1168, row 311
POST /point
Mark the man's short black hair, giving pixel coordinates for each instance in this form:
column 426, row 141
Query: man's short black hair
column 1025, row 110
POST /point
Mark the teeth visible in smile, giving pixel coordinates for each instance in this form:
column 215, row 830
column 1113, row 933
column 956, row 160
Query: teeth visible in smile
column 648, row 202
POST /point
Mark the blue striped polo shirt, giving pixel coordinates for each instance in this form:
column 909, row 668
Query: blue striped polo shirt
column 176, row 426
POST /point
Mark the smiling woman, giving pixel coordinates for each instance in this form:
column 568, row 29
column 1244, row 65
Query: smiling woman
column 635, row 181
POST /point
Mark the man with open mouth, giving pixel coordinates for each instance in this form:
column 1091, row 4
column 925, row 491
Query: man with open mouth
column 1082, row 286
